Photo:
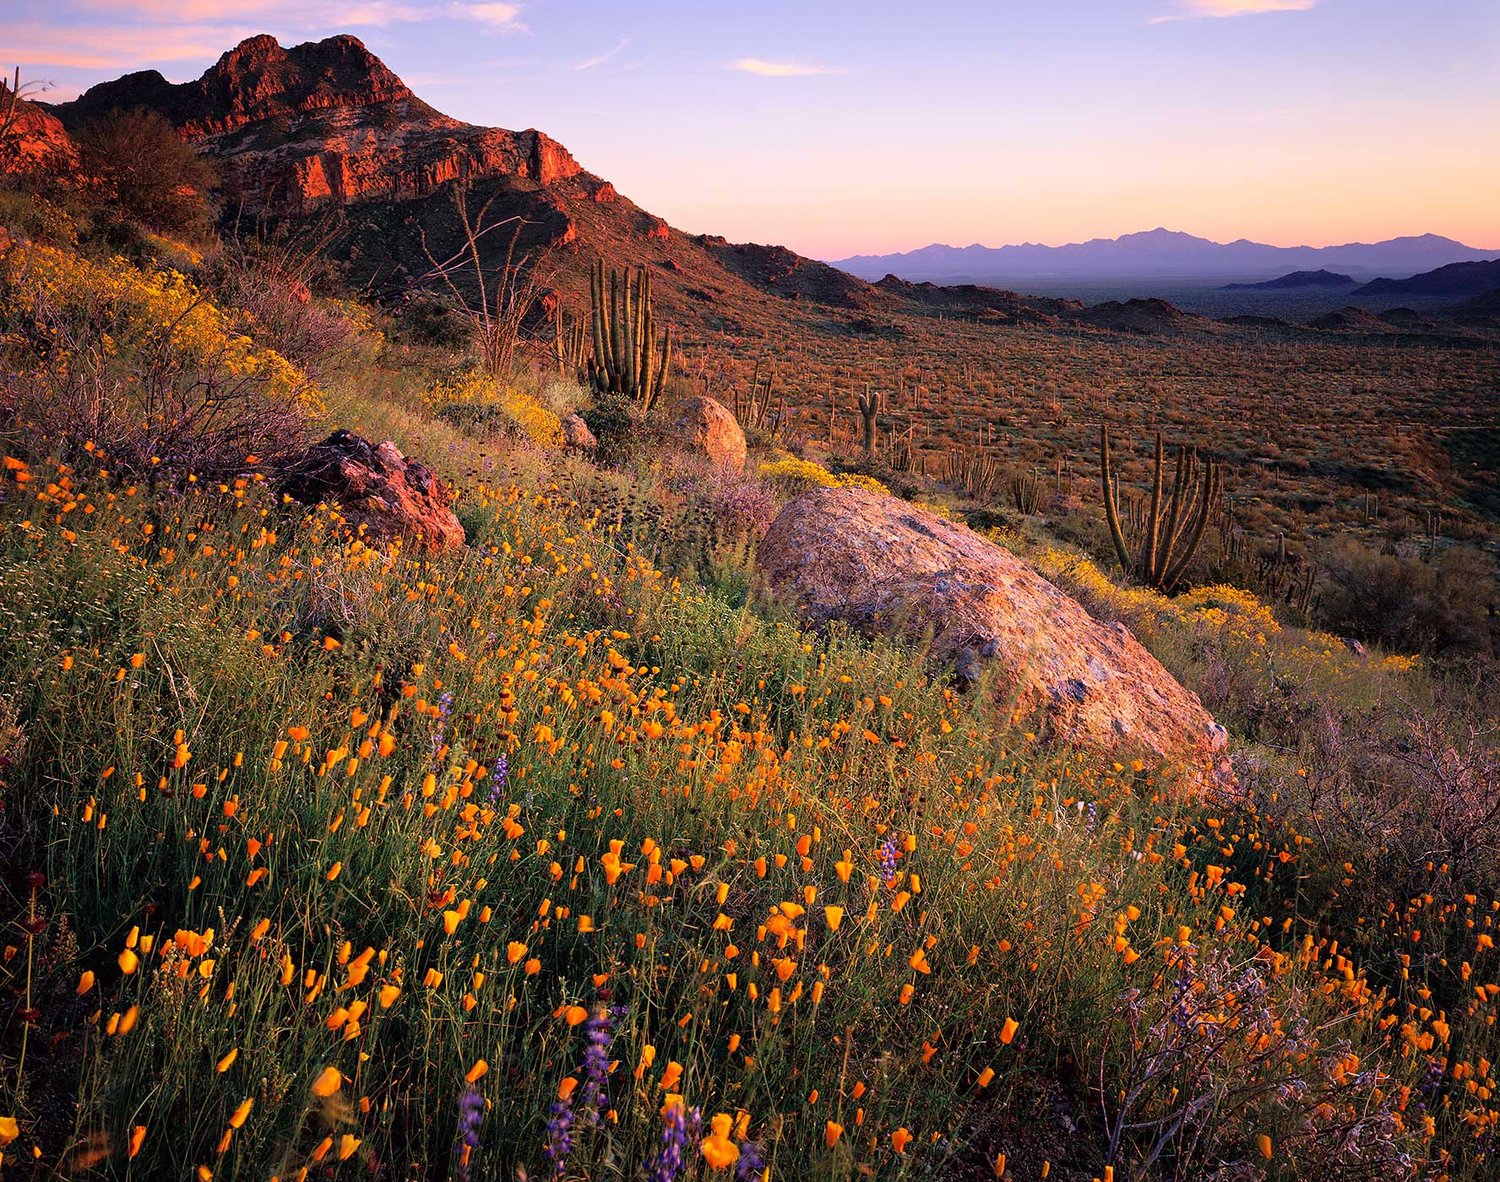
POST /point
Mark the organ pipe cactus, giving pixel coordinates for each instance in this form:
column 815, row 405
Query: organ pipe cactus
column 1172, row 529
column 628, row 358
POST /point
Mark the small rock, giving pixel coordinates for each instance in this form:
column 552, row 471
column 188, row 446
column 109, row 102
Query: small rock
column 576, row 433
column 377, row 487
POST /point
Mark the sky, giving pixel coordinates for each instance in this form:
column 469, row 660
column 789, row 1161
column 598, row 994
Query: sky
column 838, row 127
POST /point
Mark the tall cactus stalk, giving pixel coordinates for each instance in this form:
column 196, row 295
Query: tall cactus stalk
column 569, row 346
column 869, row 407
column 1172, row 528
column 628, row 358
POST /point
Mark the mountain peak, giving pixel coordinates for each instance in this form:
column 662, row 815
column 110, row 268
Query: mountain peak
column 324, row 122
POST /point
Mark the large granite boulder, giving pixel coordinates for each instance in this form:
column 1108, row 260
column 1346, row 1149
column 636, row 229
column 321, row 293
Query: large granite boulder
column 888, row 567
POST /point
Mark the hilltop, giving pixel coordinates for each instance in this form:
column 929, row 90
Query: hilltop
column 1296, row 280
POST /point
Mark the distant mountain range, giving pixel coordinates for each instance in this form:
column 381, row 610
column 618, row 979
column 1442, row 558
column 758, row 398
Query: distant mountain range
column 1161, row 254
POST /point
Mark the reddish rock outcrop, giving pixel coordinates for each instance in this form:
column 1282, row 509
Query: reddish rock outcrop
column 377, row 488
column 326, row 123
column 704, row 427
column 888, row 567
column 36, row 141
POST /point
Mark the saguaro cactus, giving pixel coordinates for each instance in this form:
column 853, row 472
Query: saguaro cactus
column 628, row 359
column 1171, row 531
column 869, row 407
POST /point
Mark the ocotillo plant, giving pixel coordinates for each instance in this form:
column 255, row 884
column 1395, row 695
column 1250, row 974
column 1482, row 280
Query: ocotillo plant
column 628, row 359
column 869, row 407
column 1172, row 529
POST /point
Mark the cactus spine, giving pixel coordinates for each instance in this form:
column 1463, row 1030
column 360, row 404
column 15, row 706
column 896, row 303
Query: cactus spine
column 1173, row 527
column 627, row 359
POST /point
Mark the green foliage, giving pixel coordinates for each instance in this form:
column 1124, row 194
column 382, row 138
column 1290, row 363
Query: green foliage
column 142, row 167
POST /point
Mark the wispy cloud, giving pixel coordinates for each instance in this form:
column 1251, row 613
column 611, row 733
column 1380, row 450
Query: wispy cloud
column 1192, row 9
column 755, row 65
column 108, row 49
column 603, row 57
column 344, row 13
column 506, row 17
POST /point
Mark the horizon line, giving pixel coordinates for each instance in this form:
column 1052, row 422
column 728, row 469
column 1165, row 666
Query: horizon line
column 1135, row 233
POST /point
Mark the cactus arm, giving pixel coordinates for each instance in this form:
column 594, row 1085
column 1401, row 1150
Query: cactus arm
column 1153, row 520
column 1111, row 506
column 1212, row 483
column 1176, row 504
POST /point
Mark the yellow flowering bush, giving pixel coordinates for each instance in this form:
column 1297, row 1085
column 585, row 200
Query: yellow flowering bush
column 475, row 399
column 804, row 474
column 142, row 363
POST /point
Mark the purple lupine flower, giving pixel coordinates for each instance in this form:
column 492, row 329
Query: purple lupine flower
column 499, row 775
column 888, row 860
column 667, row 1164
column 598, row 1033
column 470, row 1116
column 750, row 1165
column 560, row 1136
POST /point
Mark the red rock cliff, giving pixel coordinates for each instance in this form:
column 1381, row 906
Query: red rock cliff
column 325, row 123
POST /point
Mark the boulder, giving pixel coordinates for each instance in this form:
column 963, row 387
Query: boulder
column 576, row 434
column 888, row 567
column 707, row 428
column 378, row 488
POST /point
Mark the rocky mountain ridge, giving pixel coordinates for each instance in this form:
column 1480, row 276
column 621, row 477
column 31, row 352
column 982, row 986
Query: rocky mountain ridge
column 324, row 123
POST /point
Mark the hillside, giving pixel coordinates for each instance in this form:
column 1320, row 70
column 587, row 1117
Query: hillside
column 1296, row 281
column 876, row 733
column 1456, row 280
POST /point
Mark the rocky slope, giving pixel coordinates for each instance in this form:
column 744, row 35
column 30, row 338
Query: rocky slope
column 34, row 138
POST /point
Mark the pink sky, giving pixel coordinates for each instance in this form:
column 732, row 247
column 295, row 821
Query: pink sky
column 867, row 126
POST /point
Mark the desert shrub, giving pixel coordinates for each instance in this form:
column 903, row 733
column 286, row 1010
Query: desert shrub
column 138, row 163
column 428, row 321
column 143, row 365
column 801, row 475
column 615, row 422
column 1441, row 604
column 472, row 399
column 27, row 215
column 269, row 279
